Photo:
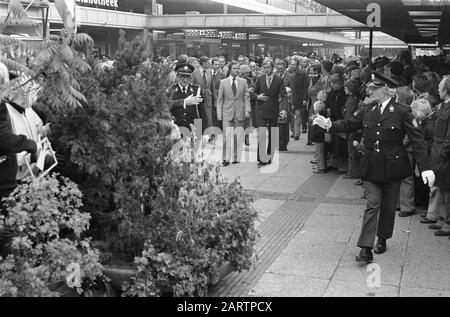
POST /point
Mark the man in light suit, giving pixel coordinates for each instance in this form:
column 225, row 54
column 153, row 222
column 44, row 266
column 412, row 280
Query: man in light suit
column 270, row 105
column 233, row 107
column 203, row 78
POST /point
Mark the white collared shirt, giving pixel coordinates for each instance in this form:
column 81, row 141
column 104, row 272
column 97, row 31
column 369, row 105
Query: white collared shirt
column 384, row 104
column 231, row 81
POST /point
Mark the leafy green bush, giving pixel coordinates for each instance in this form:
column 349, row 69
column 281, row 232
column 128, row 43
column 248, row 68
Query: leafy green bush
column 111, row 145
column 197, row 222
column 45, row 225
column 178, row 219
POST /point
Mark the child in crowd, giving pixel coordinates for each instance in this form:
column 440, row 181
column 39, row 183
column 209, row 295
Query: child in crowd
column 318, row 134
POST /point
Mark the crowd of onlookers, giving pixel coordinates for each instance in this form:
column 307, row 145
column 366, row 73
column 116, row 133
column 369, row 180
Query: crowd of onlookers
column 333, row 88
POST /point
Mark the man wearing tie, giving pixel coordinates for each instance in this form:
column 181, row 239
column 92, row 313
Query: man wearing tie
column 233, row 107
column 384, row 161
column 203, row 78
column 270, row 90
column 217, row 76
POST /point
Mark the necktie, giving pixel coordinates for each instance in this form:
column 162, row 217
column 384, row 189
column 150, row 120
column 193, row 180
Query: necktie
column 204, row 76
column 184, row 90
column 233, row 86
column 269, row 81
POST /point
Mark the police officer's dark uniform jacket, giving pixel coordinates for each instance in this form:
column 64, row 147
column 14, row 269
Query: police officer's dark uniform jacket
column 184, row 116
column 385, row 158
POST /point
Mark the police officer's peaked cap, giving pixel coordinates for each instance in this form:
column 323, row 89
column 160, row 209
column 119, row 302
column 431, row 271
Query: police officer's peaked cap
column 312, row 55
column 336, row 58
column 184, row 69
column 381, row 61
column 381, row 80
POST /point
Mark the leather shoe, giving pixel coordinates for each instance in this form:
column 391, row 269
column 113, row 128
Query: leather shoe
column 380, row 247
column 365, row 256
column 434, row 227
column 225, row 163
column 235, row 162
column 297, row 138
column 426, row 220
column 313, row 162
column 406, row 213
column 441, row 233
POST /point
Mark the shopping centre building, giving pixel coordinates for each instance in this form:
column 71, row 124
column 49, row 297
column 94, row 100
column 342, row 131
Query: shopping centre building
column 225, row 27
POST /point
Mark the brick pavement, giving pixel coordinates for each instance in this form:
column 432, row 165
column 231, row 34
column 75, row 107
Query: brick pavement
column 309, row 224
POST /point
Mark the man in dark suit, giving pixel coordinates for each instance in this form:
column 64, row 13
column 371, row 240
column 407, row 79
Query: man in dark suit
column 217, row 76
column 283, row 122
column 186, row 98
column 384, row 161
column 299, row 87
column 203, row 78
column 270, row 90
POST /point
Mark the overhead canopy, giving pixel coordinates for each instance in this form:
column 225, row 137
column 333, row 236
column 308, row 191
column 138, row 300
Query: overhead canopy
column 412, row 21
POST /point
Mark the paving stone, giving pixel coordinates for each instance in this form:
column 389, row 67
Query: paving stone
column 321, row 222
column 345, row 188
column 351, row 289
column 339, row 210
column 351, row 271
column 304, row 266
column 429, row 257
column 425, row 277
column 335, row 235
column 284, row 285
column 281, row 184
column 423, row 292
column 265, row 208
column 315, row 249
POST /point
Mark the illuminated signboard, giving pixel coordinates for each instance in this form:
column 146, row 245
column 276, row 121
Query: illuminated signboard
column 104, row 4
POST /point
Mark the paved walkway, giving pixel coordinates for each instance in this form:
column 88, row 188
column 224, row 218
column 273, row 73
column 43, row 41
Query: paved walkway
column 309, row 224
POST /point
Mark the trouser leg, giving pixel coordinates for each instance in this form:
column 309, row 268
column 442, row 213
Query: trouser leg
column 284, row 135
column 407, row 191
column 304, row 117
column 228, row 132
column 445, row 210
column 320, row 155
column 297, row 124
column 369, row 227
column 387, row 210
column 239, row 139
column 434, row 203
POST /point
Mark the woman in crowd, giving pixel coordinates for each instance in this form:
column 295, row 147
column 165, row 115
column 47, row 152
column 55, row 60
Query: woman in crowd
column 335, row 103
column 352, row 89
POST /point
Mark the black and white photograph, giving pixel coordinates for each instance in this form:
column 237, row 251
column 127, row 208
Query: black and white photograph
column 224, row 155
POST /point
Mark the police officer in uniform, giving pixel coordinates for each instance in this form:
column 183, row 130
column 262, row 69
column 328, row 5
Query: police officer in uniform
column 385, row 160
column 186, row 98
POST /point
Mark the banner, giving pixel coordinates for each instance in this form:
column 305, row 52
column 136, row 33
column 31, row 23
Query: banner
column 66, row 9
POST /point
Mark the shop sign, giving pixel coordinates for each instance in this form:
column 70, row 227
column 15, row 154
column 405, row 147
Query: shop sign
column 313, row 44
column 104, row 4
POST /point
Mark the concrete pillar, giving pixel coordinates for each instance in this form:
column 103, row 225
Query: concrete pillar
column 225, row 8
column 150, row 7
